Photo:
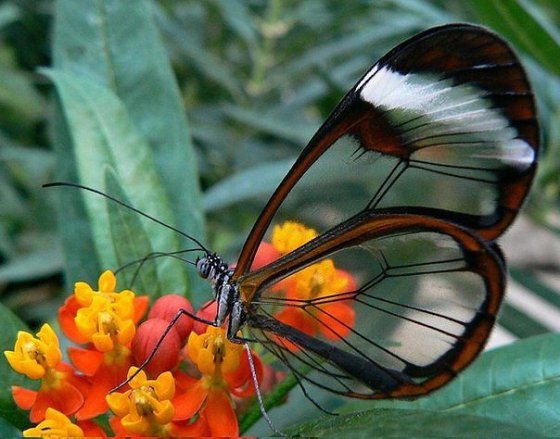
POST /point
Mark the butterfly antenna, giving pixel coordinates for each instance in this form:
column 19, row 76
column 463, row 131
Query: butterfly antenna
column 258, row 392
column 122, row 203
column 150, row 257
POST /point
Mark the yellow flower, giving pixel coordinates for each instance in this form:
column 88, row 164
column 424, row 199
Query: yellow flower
column 225, row 373
column 146, row 408
column 317, row 280
column 291, row 235
column 213, row 353
column 55, row 425
column 106, row 317
column 35, row 356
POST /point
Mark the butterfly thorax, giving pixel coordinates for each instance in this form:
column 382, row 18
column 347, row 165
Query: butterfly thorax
column 226, row 291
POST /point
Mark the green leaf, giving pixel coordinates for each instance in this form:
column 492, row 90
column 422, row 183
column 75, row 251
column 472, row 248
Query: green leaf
column 18, row 94
column 8, row 14
column 236, row 14
column 7, row 429
column 241, row 186
column 131, row 242
column 80, row 257
column 200, row 58
column 117, row 45
column 519, row 323
column 103, row 135
column 521, row 23
column 513, row 384
column 295, row 130
column 8, row 377
column 43, row 262
column 407, row 423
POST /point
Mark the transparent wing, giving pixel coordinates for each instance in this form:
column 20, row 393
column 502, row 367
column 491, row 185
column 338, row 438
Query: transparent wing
column 445, row 122
column 420, row 303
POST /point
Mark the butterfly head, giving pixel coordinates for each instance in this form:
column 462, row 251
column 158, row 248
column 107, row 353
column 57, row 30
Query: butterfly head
column 211, row 267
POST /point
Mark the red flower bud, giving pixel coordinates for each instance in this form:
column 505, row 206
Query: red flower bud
column 207, row 312
column 266, row 254
column 145, row 340
column 166, row 308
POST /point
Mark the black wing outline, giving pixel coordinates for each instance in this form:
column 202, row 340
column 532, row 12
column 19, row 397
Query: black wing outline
column 464, row 55
column 343, row 364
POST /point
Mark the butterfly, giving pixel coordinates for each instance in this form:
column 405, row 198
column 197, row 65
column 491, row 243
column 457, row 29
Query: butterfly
column 452, row 112
column 413, row 177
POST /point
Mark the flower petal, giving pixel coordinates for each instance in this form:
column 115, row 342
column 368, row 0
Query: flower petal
column 164, row 413
column 165, row 386
column 183, row 381
column 135, row 424
column 298, row 319
column 221, row 417
column 106, row 378
column 198, row 428
column 102, row 342
column 83, row 294
column 189, row 403
column 266, row 253
column 337, row 319
column 66, row 399
column 107, row 282
column 91, row 429
column 138, row 380
column 87, row 361
column 126, row 332
column 24, row 398
column 245, row 386
column 118, row 403
column 140, row 306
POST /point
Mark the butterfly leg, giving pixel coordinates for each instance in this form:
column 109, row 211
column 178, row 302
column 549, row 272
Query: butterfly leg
column 172, row 323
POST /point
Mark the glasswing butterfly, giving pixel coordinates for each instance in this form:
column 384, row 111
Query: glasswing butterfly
column 452, row 114
column 423, row 164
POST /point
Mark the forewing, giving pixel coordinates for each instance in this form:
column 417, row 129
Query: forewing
column 424, row 301
column 445, row 121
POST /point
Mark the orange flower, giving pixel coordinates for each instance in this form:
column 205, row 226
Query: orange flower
column 39, row 358
column 106, row 320
column 331, row 316
column 105, row 370
column 225, row 372
column 146, row 408
column 102, row 317
column 57, row 425
column 291, row 235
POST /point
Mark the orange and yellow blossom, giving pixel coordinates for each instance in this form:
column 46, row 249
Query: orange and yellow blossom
column 106, row 320
column 322, row 282
column 225, row 372
column 57, row 425
column 104, row 317
column 146, row 409
column 40, row 358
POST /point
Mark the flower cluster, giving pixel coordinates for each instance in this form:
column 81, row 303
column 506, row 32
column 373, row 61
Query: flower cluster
column 160, row 400
column 197, row 382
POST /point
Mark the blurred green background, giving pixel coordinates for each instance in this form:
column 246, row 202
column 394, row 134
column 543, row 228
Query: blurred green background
column 257, row 78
